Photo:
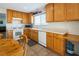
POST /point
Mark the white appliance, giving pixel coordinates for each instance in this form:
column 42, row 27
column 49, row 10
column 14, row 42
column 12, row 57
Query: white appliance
column 42, row 38
column 17, row 33
column 17, row 27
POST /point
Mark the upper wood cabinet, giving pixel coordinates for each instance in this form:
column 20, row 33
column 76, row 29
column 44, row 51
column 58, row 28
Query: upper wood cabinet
column 17, row 14
column 14, row 14
column 9, row 16
column 30, row 18
column 55, row 12
column 49, row 12
column 72, row 10
column 59, row 12
column 25, row 18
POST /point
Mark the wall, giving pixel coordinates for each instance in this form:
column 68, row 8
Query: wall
column 70, row 27
column 2, row 10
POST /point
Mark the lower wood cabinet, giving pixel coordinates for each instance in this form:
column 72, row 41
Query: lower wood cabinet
column 10, row 34
column 27, row 32
column 59, row 44
column 55, row 42
column 33, row 34
column 50, row 40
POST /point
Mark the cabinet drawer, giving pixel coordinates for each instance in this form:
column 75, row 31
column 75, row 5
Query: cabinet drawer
column 49, row 34
column 58, row 36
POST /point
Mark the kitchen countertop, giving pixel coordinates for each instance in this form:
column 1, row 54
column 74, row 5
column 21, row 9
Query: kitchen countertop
column 71, row 37
column 59, row 31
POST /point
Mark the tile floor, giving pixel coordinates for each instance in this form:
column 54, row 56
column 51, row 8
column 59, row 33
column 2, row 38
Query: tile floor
column 38, row 50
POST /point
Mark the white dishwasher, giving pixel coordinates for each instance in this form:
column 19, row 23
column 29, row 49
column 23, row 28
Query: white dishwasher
column 42, row 38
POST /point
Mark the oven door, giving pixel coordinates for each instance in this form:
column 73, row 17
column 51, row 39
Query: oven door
column 17, row 33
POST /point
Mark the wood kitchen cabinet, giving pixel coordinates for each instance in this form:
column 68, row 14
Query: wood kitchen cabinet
column 59, row 12
column 14, row 14
column 50, row 12
column 25, row 18
column 9, row 16
column 34, row 35
column 59, row 44
column 30, row 18
column 17, row 14
column 10, row 34
column 49, row 40
column 72, row 11
column 55, row 12
column 27, row 32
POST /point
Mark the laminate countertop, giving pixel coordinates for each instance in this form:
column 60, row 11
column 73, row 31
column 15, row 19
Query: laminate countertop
column 59, row 31
column 70, row 37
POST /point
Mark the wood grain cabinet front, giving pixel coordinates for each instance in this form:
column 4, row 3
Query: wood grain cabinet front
column 34, row 35
column 10, row 34
column 25, row 18
column 49, row 12
column 26, row 32
column 59, row 12
column 72, row 11
column 9, row 16
column 59, row 44
column 49, row 40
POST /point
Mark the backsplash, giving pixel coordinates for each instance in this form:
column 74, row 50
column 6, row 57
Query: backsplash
column 73, row 27
column 70, row 27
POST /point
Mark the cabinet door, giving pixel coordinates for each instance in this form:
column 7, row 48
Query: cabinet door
column 35, row 35
column 15, row 14
column 49, row 40
column 59, row 45
column 29, row 35
column 10, row 34
column 9, row 16
column 49, row 12
column 72, row 10
column 29, row 17
column 26, row 32
column 19, row 14
column 59, row 12
column 25, row 18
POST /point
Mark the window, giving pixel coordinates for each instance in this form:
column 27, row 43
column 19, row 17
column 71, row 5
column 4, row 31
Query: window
column 40, row 19
column 37, row 20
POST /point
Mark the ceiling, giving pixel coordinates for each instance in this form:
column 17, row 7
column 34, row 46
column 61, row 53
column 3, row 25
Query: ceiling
column 24, row 7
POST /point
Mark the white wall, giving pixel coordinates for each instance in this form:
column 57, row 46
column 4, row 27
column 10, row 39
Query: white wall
column 70, row 27
column 2, row 10
column 73, row 27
